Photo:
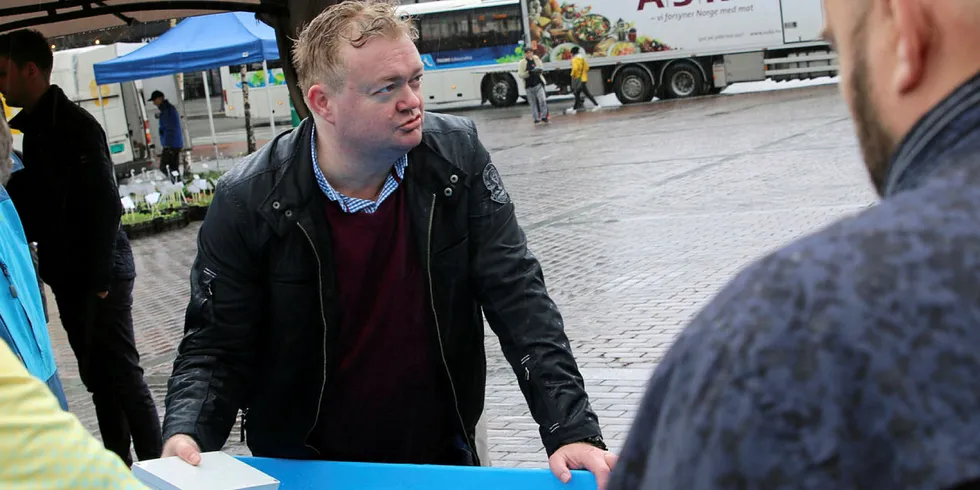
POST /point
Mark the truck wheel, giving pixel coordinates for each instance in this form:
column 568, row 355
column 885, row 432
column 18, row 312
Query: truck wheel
column 633, row 85
column 683, row 80
column 502, row 90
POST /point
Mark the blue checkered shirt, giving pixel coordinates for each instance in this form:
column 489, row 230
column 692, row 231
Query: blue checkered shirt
column 352, row 204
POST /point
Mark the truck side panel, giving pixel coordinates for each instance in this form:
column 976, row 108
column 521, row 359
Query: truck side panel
column 627, row 29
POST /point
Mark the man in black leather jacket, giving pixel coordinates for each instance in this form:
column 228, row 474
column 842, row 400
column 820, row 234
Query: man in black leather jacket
column 336, row 297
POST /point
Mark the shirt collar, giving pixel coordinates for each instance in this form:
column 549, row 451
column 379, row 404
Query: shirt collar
column 328, row 189
column 940, row 131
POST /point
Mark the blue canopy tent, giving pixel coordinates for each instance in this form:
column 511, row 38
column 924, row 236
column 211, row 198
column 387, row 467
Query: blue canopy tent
column 198, row 44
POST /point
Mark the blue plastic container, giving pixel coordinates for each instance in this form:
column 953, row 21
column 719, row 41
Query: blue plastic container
column 327, row 475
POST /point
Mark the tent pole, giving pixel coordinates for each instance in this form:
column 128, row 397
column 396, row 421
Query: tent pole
column 105, row 120
column 268, row 96
column 207, row 98
column 105, row 124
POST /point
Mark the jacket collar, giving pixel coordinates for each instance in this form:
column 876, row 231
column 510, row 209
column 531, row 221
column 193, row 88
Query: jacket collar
column 295, row 192
column 42, row 116
column 950, row 126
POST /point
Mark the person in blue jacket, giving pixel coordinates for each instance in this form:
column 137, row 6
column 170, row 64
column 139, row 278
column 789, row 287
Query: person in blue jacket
column 171, row 136
column 23, row 323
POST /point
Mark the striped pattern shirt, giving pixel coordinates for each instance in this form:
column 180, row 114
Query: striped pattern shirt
column 352, row 204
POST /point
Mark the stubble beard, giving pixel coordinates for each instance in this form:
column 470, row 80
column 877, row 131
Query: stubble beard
column 877, row 145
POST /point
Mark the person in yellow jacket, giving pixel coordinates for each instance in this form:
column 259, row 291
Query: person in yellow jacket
column 580, row 78
column 45, row 447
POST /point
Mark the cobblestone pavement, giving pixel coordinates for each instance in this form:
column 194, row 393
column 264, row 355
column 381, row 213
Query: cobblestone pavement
column 638, row 215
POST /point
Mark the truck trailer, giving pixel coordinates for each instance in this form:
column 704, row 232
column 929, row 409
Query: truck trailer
column 637, row 49
column 641, row 49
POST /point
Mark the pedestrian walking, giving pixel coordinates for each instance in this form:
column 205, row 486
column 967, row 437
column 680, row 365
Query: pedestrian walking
column 69, row 204
column 580, row 79
column 530, row 70
column 171, row 136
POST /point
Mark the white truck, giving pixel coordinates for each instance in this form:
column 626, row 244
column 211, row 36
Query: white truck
column 258, row 100
column 120, row 111
column 641, row 49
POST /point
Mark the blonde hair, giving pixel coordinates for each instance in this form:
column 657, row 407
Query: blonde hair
column 316, row 54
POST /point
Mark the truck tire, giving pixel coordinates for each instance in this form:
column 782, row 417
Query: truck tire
column 683, row 80
column 633, row 85
column 501, row 90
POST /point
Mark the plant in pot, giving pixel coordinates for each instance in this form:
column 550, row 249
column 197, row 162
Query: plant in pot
column 201, row 193
column 137, row 223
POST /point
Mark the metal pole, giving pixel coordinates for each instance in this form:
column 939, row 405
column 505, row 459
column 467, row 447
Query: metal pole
column 207, row 98
column 268, row 96
column 105, row 125
column 249, row 133
column 105, row 121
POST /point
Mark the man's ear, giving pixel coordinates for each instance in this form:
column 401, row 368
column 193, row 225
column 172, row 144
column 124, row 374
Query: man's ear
column 33, row 70
column 914, row 33
column 321, row 102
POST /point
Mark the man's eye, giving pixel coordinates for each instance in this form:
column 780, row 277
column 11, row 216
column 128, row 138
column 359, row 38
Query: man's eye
column 387, row 89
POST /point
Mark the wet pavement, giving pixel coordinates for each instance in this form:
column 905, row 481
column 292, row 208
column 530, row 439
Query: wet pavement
column 638, row 215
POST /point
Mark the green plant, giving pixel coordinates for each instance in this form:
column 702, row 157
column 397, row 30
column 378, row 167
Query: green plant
column 200, row 199
column 136, row 218
column 211, row 175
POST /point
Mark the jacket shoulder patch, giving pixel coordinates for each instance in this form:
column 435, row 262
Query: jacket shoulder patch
column 494, row 184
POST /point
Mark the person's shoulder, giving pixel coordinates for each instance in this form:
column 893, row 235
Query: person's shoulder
column 243, row 189
column 73, row 120
column 455, row 138
column 437, row 124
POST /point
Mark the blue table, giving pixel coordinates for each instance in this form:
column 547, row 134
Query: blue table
column 321, row 475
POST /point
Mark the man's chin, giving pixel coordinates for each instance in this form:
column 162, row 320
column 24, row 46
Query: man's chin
column 409, row 139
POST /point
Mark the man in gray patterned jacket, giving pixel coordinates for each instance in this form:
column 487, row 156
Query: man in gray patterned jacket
column 851, row 358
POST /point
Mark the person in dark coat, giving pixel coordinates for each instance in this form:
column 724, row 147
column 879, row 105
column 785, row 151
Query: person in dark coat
column 849, row 359
column 69, row 204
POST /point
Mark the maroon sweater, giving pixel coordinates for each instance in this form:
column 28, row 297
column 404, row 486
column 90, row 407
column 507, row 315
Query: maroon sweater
column 387, row 400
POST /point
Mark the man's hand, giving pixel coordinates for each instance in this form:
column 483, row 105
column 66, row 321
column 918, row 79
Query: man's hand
column 102, row 295
column 184, row 447
column 579, row 456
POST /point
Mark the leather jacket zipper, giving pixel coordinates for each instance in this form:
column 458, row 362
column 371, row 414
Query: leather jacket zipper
column 435, row 316
column 323, row 317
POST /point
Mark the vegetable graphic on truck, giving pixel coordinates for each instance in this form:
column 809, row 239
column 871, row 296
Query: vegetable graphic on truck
column 641, row 49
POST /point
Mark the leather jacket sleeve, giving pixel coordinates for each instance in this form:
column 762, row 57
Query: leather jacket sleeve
column 217, row 353
column 511, row 289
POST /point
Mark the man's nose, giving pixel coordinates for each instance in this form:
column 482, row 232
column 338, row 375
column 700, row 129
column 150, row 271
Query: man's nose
column 411, row 101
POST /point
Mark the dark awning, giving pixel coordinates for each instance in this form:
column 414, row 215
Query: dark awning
column 61, row 17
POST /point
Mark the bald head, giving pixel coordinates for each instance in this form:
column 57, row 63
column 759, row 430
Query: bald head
column 898, row 59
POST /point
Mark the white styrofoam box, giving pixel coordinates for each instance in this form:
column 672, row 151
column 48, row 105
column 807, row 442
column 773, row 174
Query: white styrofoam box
column 217, row 471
